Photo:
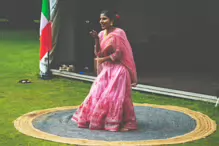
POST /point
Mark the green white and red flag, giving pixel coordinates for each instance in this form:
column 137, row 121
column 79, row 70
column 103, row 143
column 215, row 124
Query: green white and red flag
column 46, row 35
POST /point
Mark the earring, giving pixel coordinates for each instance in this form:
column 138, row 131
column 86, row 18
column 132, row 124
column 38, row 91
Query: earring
column 111, row 24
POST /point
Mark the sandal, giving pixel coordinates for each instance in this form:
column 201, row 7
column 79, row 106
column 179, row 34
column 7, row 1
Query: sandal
column 24, row 81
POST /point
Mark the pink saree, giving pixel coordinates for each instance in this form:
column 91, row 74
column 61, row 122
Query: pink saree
column 108, row 106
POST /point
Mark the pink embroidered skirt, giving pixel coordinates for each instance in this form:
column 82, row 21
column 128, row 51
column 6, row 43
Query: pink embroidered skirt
column 108, row 106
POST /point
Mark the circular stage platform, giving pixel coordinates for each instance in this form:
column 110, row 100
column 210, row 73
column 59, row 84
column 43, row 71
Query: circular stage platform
column 157, row 125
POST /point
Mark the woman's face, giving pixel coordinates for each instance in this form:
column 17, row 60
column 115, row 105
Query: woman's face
column 105, row 21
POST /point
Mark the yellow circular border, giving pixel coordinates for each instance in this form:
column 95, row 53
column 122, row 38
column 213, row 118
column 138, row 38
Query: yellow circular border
column 205, row 126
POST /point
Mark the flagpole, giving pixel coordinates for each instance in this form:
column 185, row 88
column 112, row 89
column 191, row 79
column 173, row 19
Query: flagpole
column 49, row 74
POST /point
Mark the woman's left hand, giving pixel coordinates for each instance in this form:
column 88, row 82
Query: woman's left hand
column 99, row 60
column 134, row 84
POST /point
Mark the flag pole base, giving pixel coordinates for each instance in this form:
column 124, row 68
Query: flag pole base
column 46, row 76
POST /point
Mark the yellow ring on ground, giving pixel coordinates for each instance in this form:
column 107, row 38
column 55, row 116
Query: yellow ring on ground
column 205, row 126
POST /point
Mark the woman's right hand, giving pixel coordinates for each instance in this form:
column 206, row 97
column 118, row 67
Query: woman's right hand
column 94, row 34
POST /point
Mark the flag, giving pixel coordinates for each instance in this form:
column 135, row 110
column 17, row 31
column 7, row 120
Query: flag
column 45, row 39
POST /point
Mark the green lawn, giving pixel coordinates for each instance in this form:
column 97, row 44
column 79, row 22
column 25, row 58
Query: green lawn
column 19, row 59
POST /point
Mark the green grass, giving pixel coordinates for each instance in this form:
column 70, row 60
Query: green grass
column 19, row 59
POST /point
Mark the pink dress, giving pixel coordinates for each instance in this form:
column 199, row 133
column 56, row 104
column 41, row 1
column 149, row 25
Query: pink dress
column 108, row 106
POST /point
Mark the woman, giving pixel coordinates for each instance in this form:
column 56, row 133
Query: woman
column 109, row 104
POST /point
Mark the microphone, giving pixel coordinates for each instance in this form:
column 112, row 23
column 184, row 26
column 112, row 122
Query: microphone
column 89, row 25
column 87, row 21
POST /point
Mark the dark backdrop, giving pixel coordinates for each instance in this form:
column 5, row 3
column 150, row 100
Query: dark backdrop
column 166, row 35
column 20, row 13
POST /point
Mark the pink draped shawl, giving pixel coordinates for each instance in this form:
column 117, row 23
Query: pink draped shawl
column 122, row 50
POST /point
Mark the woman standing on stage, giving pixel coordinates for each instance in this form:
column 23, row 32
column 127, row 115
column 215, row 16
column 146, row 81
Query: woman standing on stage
column 108, row 106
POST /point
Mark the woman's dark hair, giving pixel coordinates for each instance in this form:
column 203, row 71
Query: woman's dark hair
column 113, row 16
